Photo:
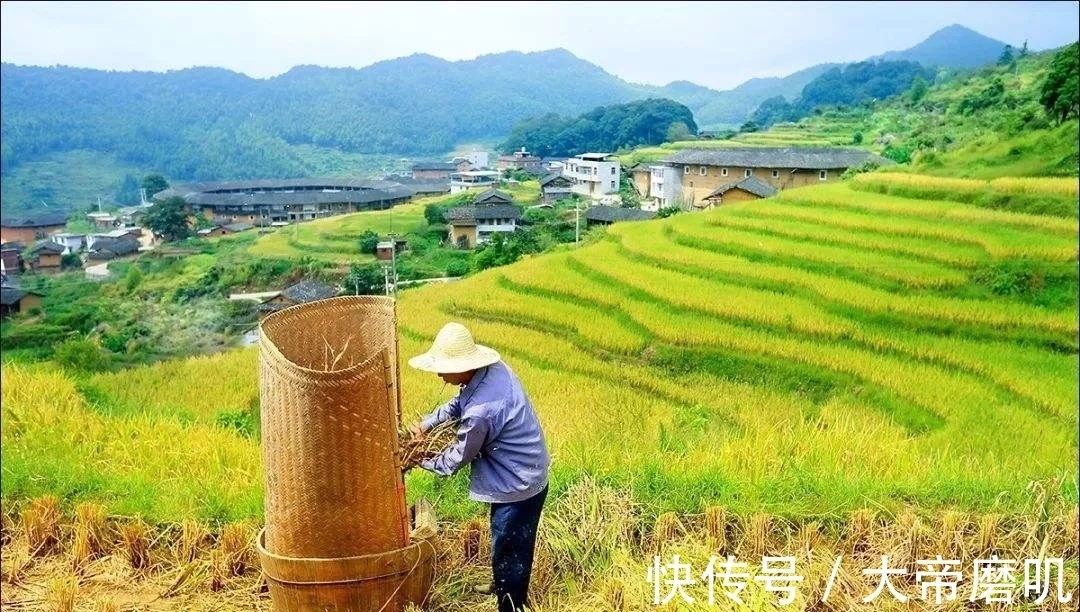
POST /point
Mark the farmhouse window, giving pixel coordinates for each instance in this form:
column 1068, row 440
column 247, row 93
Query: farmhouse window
column 776, row 174
column 723, row 171
column 686, row 170
column 748, row 173
column 703, row 171
column 823, row 175
column 613, row 169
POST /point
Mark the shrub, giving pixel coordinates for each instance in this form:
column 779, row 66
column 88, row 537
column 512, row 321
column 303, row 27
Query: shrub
column 458, row 267
column 81, row 354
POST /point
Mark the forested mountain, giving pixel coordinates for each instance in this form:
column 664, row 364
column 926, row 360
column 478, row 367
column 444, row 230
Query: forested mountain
column 954, row 47
column 853, row 84
column 211, row 123
column 607, row 128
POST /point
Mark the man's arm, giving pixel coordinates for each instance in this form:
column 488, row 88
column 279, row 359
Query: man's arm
column 471, row 434
column 447, row 412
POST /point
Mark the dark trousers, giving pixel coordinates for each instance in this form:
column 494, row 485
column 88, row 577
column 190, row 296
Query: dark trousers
column 513, row 541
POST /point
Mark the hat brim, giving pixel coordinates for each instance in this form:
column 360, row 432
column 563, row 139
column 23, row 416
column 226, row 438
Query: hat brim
column 482, row 357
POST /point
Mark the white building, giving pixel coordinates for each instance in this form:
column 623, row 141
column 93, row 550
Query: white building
column 594, row 174
column 665, row 188
column 480, row 159
column 72, row 243
column 460, row 181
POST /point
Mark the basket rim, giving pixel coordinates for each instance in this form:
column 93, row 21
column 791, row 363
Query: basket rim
column 276, row 355
column 394, row 557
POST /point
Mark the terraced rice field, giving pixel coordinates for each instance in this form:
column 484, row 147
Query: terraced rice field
column 823, row 366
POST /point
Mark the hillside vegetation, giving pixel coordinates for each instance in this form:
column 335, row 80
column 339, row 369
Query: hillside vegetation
column 608, row 128
column 983, row 124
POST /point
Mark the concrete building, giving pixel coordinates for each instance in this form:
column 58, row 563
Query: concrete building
column 462, row 181
column 72, row 243
column 480, row 160
column 665, row 188
column 594, row 174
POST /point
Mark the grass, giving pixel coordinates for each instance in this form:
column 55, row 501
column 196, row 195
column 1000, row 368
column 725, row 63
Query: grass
column 336, row 239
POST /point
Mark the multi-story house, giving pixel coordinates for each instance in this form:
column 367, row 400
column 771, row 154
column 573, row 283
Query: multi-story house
column 594, row 174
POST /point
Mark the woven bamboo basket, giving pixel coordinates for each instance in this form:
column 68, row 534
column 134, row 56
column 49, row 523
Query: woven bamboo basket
column 335, row 494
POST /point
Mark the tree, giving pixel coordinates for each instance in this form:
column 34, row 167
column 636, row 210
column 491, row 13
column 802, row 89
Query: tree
column 1023, row 50
column 857, row 138
column 366, row 279
column 154, row 183
column 1006, row 58
column 678, row 131
column 127, row 193
column 168, row 219
column 1060, row 94
column 918, row 88
column 434, row 214
column 749, row 126
column 369, row 242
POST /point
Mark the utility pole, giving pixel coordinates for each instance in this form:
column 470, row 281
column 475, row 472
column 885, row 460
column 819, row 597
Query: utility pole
column 577, row 221
column 393, row 262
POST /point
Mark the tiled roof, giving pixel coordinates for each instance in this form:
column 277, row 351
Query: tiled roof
column 469, row 215
column 749, row 184
column 775, row 157
column 308, row 291
column 612, row 214
column 42, row 220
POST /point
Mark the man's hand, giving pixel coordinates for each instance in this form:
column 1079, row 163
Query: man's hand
column 416, row 432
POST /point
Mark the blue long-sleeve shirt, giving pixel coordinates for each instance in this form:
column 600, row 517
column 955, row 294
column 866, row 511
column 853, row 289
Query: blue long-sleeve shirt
column 498, row 434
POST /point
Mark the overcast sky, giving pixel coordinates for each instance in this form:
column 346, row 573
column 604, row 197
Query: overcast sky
column 715, row 44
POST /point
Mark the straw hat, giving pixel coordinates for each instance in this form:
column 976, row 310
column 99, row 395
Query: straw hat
column 454, row 351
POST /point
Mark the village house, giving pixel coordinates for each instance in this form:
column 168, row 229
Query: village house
column 45, row 256
column 386, row 249
column 423, row 187
column 593, row 174
column 520, row 160
column 555, row 187
column 601, row 214
column 14, row 300
column 29, row 229
column 300, row 293
column 72, row 243
column 704, row 171
column 471, row 226
column 11, row 260
column 103, row 220
column 435, row 170
column 121, row 232
column 462, row 181
column 749, row 188
column 665, row 188
column 479, row 160
column 490, row 197
column 640, row 176
column 265, row 202
column 216, row 231
column 105, row 248
column 461, row 164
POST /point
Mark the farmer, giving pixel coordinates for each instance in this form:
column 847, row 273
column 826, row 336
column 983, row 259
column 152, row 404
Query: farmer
column 499, row 435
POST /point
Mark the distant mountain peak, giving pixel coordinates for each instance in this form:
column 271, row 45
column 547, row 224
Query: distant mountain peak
column 954, row 45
